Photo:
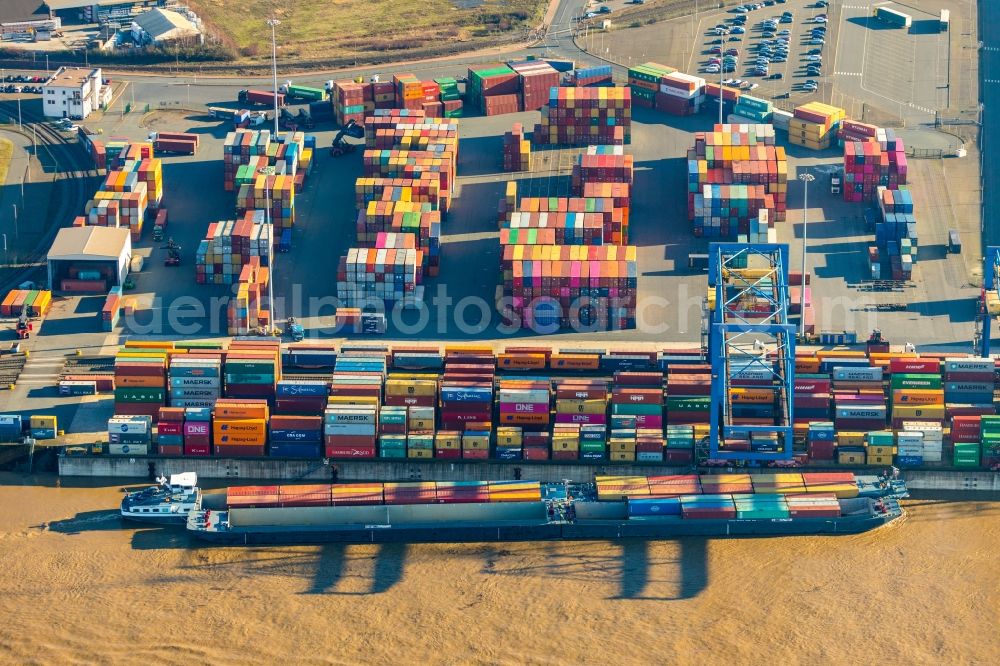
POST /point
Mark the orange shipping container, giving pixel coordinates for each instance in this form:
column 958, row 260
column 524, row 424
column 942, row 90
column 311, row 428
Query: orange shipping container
column 243, row 410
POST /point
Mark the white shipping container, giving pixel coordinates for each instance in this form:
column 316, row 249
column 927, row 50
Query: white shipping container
column 681, row 93
column 128, row 449
column 517, row 395
column 857, row 374
column 130, row 425
column 968, row 365
column 868, row 412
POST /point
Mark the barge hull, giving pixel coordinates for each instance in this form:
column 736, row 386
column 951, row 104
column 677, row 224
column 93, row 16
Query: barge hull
column 598, row 530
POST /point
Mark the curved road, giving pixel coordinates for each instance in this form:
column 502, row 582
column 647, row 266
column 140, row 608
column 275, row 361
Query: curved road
column 557, row 44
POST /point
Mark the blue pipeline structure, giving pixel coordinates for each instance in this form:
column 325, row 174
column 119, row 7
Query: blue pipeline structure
column 752, row 347
column 991, row 270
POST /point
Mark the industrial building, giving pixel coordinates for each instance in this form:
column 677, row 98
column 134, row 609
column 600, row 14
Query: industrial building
column 162, row 26
column 26, row 19
column 74, row 92
column 100, row 11
column 90, row 259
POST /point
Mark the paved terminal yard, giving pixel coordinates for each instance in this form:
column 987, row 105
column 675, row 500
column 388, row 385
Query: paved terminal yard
column 669, row 294
column 940, row 303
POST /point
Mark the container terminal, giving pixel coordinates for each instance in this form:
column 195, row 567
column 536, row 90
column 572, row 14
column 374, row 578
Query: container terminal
column 627, row 236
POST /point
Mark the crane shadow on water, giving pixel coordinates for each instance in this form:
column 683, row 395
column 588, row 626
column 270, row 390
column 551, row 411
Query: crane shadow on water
column 662, row 570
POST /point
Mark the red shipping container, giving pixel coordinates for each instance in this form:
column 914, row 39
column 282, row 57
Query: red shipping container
column 447, row 454
column 169, row 427
column 350, row 451
column 170, row 450
column 475, row 454
column 915, row 366
column 197, row 448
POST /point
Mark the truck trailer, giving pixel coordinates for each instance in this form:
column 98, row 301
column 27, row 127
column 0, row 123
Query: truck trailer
column 262, row 97
column 304, row 93
column 893, row 18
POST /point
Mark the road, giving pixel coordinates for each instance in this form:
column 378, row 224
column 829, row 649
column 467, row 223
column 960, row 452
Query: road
column 989, row 95
column 197, row 91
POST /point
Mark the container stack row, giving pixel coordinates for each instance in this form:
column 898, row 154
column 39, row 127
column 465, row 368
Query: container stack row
column 516, row 150
column 751, row 110
column 680, row 94
column 36, row 302
column 229, row 245
column 815, row 125
column 876, row 409
column 736, row 173
column 586, row 77
column 879, row 160
column 237, row 151
column 896, row 237
column 644, row 82
column 586, row 116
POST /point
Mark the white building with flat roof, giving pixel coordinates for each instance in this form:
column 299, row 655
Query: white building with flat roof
column 74, row 92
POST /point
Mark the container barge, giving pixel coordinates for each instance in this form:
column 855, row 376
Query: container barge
column 609, row 508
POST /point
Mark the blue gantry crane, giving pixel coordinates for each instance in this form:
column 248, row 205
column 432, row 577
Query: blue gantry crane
column 989, row 305
column 752, row 347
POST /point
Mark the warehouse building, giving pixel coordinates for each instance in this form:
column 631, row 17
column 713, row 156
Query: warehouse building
column 100, row 11
column 21, row 19
column 162, row 26
column 74, row 92
column 89, row 259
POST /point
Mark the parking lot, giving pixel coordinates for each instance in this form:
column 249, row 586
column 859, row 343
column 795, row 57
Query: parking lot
column 773, row 45
column 903, row 71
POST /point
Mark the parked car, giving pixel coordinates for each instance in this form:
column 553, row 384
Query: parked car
column 715, row 50
column 819, row 19
column 712, row 69
column 815, row 57
column 732, row 52
column 739, row 30
column 604, row 9
column 816, row 40
column 776, row 76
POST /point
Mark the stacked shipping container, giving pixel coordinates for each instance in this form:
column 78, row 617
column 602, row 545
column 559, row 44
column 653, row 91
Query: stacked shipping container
column 734, row 173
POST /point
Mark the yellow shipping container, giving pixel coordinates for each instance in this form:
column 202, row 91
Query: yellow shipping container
column 419, row 453
column 42, row 421
column 509, row 437
column 352, row 400
column 923, row 412
column 879, row 460
column 573, row 406
column 850, row 438
column 621, row 445
column 881, row 450
column 447, row 441
column 406, row 386
column 476, row 443
column 623, row 456
column 850, row 458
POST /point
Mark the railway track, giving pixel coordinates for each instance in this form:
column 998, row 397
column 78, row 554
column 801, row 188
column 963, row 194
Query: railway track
column 11, row 366
column 89, row 365
column 73, row 183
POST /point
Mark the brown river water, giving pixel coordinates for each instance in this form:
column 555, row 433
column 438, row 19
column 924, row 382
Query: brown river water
column 78, row 586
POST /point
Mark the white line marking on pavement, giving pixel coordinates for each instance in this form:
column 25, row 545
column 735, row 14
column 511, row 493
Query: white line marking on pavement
column 848, row 73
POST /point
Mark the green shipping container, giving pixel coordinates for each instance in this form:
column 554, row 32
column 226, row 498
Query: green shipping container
column 912, row 381
column 247, row 378
column 139, row 395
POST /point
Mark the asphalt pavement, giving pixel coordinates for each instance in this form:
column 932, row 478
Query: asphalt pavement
column 989, row 95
